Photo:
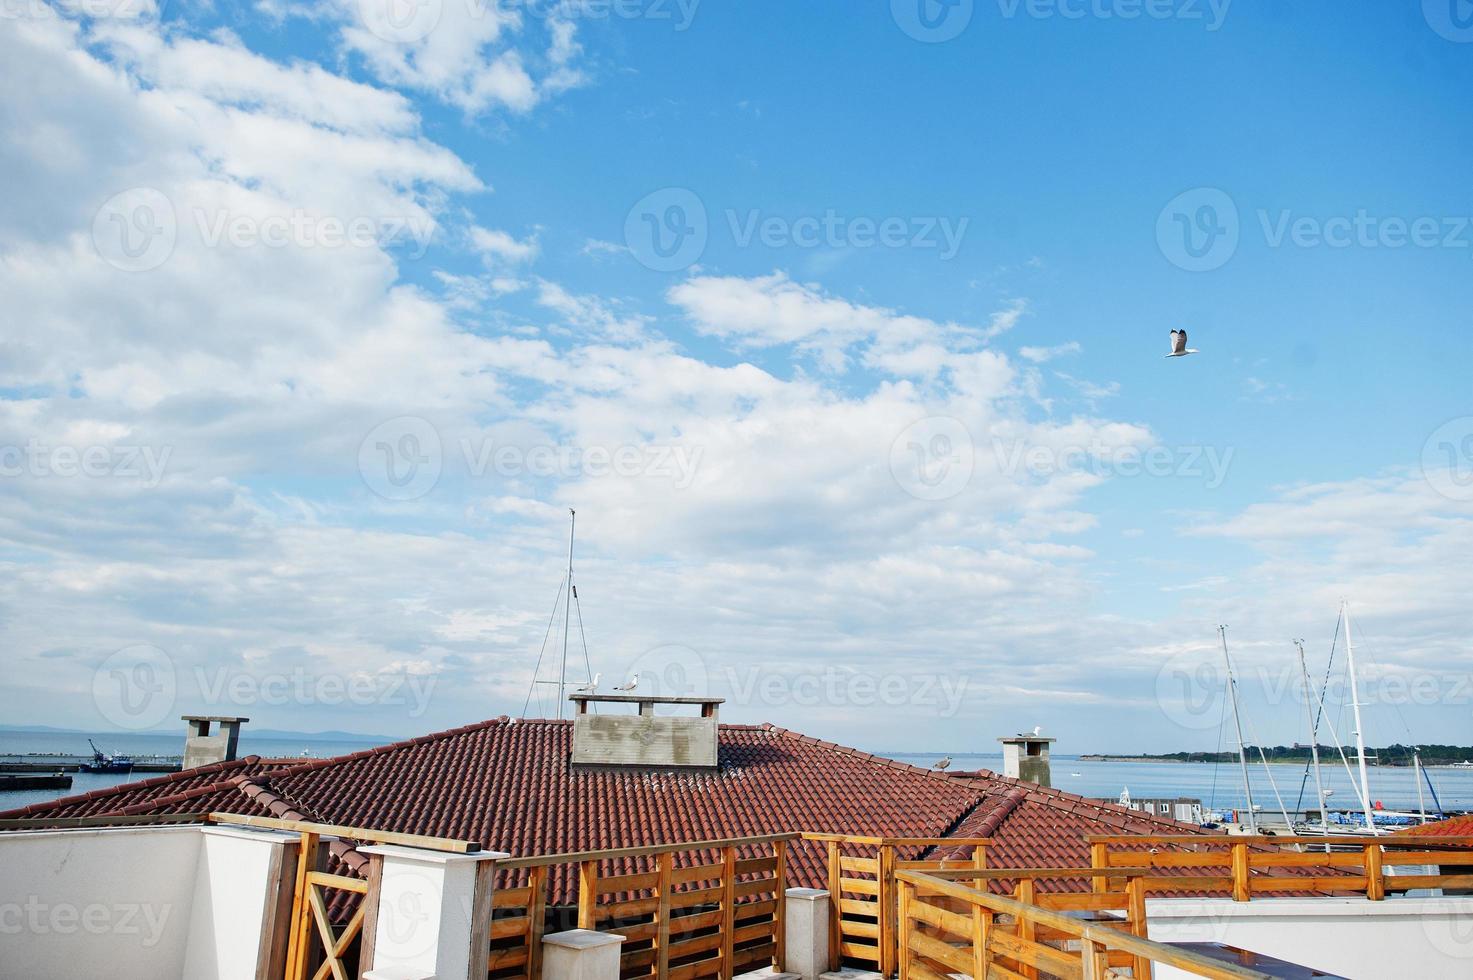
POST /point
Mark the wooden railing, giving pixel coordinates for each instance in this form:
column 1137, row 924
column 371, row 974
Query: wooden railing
column 1250, row 866
column 704, row 909
column 316, row 947
column 1000, row 938
column 863, row 897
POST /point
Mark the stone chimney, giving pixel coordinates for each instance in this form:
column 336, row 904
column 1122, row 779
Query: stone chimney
column 1026, row 757
column 645, row 739
column 202, row 748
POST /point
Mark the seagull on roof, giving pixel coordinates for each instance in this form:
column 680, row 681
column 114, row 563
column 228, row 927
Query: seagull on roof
column 591, row 686
column 1179, row 346
column 629, row 685
column 943, row 764
column 1037, row 730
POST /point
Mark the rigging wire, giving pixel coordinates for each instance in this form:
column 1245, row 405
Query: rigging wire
column 538, row 669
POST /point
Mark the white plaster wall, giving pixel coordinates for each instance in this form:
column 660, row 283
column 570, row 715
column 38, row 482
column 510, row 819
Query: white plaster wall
column 235, row 894
column 96, row 903
column 1427, row 938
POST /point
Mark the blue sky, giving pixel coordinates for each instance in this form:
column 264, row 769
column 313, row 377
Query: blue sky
column 912, row 466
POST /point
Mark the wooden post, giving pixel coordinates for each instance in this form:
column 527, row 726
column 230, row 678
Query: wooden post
column 1375, row 882
column 1027, row 930
column 780, row 914
column 662, row 916
column 728, row 912
column 1135, row 891
column 537, row 924
column 1242, row 890
column 588, row 895
column 370, row 913
column 981, row 936
column 835, row 897
column 483, row 897
column 301, row 933
column 1095, row 960
column 907, row 892
column 1099, row 857
column 887, row 940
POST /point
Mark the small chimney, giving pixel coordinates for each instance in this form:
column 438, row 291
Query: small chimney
column 201, row 748
column 1026, row 757
column 645, row 739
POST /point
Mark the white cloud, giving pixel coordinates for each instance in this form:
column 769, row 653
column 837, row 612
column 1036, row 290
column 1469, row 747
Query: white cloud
column 1041, row 355
column 499, row 247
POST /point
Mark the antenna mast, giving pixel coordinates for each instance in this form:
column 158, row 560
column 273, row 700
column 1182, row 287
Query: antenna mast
column 1238, row 723
column 562, row 675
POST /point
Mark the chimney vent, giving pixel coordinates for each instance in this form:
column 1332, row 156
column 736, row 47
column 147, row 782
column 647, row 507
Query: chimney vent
column 202, row 748
column 1026, row 757
column 645, row 739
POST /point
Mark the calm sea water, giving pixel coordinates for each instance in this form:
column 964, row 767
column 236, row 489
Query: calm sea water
column 1217, row 786
column 1220, row 786
column 44, row 746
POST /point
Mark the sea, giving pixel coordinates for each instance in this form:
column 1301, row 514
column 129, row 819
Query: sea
column 1217, row 785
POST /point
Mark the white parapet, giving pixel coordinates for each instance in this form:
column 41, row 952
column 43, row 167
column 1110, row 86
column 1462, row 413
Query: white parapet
column 581, row 954
column 806, row 932
column 1348, row 937
column 433, row 913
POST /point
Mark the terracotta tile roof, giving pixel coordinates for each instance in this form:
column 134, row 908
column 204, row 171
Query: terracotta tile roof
column 509, row 785
column 1451, row 827
column 212, row 787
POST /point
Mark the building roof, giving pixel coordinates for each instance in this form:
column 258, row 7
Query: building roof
column 509, row 785
column 1451, row 827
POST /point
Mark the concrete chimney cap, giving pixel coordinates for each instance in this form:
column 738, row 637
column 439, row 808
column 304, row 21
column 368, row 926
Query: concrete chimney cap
column 220, row 718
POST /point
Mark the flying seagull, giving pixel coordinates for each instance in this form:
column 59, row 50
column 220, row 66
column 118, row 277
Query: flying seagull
column 943, row 764
column 1179, row 346
column 630, row 685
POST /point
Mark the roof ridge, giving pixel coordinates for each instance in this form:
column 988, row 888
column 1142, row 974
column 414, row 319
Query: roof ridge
column 119, row 788
column 418, row 740
column 879, row 760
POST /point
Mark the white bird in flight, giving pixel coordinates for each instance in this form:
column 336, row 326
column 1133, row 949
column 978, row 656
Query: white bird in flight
column 1179, row 346
column 630, row 685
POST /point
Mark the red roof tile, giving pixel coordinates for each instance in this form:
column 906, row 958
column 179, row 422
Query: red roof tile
column 509, row 785
column 1451, row 827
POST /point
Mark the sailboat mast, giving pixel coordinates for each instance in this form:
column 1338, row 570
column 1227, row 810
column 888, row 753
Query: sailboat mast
column 1360, row 739
column 1238, row 723
column 562, row 676
column 1314, row 740
column 1417, row 774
